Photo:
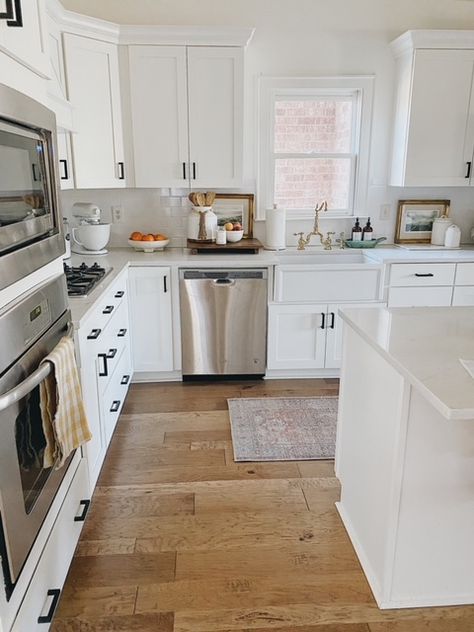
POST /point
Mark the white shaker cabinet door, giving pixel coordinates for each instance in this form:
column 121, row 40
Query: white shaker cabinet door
column 215, row 92
column 66, row 179
column 27, row 43
column 296, row 336
column 159, row 115
column 440, row 137
column 150, row 319
column 92, row 75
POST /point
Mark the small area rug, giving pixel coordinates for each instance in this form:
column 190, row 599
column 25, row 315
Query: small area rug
column 283, row 428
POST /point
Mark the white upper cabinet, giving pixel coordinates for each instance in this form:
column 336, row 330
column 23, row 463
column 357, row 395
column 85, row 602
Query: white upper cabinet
column 24, row 38
column 159, row 115
column 215, row 93
column 186, row 105
column 92, row 76
column 434, row 119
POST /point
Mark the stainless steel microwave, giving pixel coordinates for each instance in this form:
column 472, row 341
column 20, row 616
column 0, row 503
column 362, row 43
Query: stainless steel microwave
column 30, row 226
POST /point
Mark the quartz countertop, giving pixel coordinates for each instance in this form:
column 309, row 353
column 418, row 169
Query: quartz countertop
column 397, row 254
column 425, row 345
column 120, row 258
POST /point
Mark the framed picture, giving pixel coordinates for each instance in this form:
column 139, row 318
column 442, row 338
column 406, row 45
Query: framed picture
column 415, row 220
column 235, row 207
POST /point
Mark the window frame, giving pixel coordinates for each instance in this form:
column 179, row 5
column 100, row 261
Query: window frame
column 273, row 89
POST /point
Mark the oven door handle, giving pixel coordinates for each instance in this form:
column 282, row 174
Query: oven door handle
column 21, row 390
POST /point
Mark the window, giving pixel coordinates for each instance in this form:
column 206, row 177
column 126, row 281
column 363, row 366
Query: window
column 314, row 144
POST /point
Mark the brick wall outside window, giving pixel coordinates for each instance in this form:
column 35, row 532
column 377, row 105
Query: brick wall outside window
column 312, row 127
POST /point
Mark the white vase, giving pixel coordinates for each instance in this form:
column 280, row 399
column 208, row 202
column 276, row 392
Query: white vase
column 202, row 224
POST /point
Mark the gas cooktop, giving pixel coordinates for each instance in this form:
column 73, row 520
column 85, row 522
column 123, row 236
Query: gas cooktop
column 81, row 280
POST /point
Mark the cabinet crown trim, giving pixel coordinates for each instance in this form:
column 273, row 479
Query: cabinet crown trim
column 434, row 38
column 126, row 34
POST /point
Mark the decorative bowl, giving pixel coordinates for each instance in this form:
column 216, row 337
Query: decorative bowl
column 234, row 235
column 371, row 243
column 148, row 246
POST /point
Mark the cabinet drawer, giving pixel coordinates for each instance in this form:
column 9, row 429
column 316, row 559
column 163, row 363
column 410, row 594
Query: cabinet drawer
column 463, row 296
column 115, row 393
column 297, row 285
column 420, row 297
column 465, row 274
column 419, row 274
column 54, row 563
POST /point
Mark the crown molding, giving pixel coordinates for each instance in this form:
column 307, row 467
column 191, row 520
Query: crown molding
column 187, row 35
column 126, row 34
column 435, row 38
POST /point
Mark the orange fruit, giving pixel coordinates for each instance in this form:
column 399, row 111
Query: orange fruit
column 160, row 237
column 148, row 237
column 136, row 236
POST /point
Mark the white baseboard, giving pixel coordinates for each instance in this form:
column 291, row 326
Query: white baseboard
column 156, row 376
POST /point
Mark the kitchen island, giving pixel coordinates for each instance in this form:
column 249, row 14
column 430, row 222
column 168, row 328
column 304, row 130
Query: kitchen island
column 405, row 452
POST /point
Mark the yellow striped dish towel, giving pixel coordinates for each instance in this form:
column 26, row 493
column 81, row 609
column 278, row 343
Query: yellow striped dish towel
column 64, row 418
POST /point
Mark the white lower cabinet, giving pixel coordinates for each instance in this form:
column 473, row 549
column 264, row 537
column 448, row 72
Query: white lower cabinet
column 42, row 596
column 296, row 336
column 104, row 352
column 151, row 319
column 306, row 336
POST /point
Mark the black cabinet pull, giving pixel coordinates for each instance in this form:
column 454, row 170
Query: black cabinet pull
column 115, row 406
column 65, row 175
column 424, row 274
column 85, row 504
column 194, row 171
column 95, row 333
column 119, row 294
column 55, row 594
column 36, row 176
column 121, row 171
column 13, row 13
column 165, row 285
column 468, row 172
column 121, row 333
column 104, row 372
column 184, row 171
column 111, row 354
column 125, row 380
column 333, row 320
column 323, row 320
column 108, row 309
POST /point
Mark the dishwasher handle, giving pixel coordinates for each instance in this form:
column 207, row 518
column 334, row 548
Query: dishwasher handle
column 225, row 282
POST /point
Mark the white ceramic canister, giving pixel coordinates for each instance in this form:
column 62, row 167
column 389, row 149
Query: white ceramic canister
column 438, row 233
column 197, row 215
column 453, row 236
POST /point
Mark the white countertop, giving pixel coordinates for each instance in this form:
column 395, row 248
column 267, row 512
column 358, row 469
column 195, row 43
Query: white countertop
column 425, row 345
column 120, row 258
column 396, row 254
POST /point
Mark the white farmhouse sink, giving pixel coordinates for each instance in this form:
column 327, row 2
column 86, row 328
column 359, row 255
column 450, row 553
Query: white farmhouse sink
column 321, row 258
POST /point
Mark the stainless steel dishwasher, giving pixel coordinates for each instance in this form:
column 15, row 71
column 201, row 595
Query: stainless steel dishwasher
column 223, row 321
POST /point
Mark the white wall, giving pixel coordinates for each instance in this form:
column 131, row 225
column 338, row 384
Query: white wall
column 305, row 38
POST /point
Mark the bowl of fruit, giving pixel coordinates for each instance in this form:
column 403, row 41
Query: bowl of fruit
column 233, row 231
column 148, row 242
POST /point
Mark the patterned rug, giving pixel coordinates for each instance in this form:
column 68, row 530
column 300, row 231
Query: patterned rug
column 283, row 428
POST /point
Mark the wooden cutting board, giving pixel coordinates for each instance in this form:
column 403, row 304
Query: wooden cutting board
column 244, row 247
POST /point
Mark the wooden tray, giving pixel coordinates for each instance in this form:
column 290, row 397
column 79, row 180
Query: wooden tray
column 243, row 247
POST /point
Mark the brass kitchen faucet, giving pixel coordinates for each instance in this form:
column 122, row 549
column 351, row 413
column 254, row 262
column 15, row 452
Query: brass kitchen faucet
column 304, row 241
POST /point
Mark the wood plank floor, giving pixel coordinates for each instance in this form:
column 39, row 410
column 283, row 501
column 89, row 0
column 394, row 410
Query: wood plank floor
column 180, row 538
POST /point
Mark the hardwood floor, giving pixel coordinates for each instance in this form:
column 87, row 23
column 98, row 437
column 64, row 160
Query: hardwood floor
column 180, row 538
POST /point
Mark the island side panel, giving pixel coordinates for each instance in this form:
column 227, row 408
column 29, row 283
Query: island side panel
column 369, row 442
column 434, row 561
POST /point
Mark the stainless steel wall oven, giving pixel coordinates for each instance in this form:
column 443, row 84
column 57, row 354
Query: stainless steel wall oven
column 30, row 226
column 29, row 329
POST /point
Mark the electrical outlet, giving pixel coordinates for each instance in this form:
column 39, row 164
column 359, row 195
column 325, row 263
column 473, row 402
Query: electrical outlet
column 117, row 214
column 385, row 211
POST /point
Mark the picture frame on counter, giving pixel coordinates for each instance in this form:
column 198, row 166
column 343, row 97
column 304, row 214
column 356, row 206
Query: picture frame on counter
column 236, row 207
column 415, row 220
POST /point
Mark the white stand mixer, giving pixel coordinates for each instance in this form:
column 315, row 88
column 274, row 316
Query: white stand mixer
column 91, row 236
